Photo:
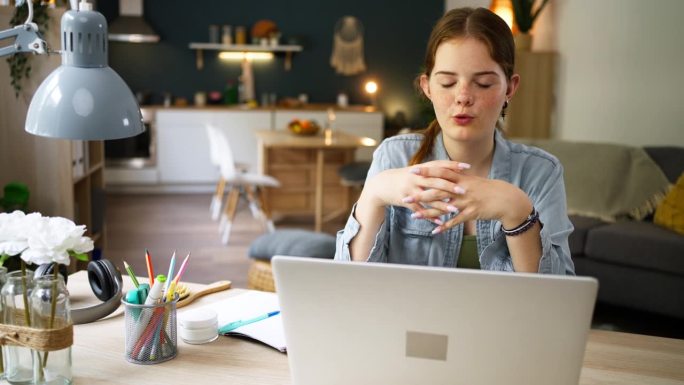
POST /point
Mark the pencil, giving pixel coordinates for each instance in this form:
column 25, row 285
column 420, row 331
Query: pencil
column 184, row 265
column 169, row 277
column 131, row 274
column 150, row 269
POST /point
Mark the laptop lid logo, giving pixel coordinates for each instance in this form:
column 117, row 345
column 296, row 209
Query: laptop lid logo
column 426, row 345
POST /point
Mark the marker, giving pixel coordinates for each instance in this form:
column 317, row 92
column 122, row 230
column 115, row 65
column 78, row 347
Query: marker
column 156, row 291
column 131, row 274
column 170, row 291
column 236, row 324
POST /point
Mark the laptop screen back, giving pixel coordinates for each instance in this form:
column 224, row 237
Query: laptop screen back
column 365, row 323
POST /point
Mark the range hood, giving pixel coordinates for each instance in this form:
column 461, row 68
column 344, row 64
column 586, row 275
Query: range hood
column 130, row 26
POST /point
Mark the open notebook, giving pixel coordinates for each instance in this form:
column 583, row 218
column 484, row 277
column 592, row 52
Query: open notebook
column 249, row 305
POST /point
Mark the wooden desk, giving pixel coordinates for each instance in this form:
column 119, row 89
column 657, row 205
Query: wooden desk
column 306, row 167
column 98, row 355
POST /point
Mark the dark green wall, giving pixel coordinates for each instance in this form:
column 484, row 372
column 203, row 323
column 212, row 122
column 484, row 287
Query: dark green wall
column 396, row 33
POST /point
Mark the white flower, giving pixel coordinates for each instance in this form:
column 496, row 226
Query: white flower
column 51, row 239
column 14, row 231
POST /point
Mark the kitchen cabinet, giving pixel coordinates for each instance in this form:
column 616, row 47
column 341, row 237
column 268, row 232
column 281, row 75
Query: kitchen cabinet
column 183, row 159
column 306, row 167
column 183, row 146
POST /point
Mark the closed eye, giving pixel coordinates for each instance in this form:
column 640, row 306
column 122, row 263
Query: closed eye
column 483, row 85
column 448, row 85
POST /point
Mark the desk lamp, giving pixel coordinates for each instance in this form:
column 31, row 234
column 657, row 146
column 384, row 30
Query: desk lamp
column 83, row 98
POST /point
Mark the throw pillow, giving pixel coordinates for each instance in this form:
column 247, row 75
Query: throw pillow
column 670, row 212
column 298, row 243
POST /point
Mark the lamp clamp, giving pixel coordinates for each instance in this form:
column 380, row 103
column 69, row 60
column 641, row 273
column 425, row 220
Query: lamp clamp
column 27, row 39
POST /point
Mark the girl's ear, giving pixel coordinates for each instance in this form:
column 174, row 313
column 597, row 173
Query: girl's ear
column 425, row 85
column 512, row 86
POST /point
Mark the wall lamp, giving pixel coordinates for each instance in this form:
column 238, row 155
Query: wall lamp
column 83, row 98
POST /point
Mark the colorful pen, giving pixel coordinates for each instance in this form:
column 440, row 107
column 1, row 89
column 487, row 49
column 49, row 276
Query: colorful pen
column 183, row 266
column 169, row 277
column 131, row 274
column 150, row 269
column 236, row 324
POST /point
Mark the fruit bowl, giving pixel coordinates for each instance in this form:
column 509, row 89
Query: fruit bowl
column 303, row 127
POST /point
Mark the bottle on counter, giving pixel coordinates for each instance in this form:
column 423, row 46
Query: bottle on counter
column 342, row 100
column 241, row 91
column 230, row 95
column 227, row 35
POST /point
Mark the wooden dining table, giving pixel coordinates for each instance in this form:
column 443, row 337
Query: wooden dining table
column 306, row 167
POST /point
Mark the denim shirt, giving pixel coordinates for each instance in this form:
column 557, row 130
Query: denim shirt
column 402, row 239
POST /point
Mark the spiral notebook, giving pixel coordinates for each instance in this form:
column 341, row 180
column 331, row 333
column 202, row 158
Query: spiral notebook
column 249, row 305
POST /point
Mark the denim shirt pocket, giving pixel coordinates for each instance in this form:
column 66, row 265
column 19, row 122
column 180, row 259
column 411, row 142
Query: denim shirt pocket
column 413, row 239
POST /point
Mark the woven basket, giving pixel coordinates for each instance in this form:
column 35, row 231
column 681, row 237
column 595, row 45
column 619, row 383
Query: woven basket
column 260, row 276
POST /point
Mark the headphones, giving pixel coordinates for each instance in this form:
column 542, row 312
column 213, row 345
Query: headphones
column 105, row 280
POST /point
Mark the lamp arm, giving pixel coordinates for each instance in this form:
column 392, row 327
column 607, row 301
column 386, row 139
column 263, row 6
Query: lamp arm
column 27, row 39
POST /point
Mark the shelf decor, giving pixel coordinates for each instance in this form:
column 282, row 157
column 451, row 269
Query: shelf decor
column 245, row 49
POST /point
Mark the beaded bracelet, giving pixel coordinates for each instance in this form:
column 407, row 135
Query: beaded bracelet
column 526, row 225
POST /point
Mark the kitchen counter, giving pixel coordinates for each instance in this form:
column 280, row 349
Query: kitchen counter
column 236, row 107
column 183, row 161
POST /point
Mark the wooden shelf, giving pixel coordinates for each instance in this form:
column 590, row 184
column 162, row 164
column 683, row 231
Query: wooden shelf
column 287, row 49
column 246, row 47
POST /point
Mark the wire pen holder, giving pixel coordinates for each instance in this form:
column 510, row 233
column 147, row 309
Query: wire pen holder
column 150, row 332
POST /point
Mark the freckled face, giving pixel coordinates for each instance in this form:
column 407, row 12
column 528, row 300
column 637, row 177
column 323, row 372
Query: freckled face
column 467, row 89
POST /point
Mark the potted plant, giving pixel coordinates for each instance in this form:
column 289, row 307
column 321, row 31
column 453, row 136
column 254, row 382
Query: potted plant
column 525, row 14
column 20, row 66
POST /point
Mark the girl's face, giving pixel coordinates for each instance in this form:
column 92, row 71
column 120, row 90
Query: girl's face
column 467, row 89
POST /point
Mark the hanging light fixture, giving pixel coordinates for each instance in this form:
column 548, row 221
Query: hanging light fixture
column 504, row 9
column 83, row 98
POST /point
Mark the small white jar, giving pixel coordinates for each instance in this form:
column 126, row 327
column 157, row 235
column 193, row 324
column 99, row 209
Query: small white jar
column 198, row 326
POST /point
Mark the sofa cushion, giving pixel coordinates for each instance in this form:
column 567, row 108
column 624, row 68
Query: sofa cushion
column 578, row 237
column 670, row 212
column 637, row 244
column 299, row 243
column 669, row 159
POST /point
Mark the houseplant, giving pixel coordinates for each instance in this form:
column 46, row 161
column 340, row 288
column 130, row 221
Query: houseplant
column 20, row 66
column 525, row 15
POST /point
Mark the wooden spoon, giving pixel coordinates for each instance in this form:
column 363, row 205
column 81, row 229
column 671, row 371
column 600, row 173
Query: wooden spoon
column 211, row 288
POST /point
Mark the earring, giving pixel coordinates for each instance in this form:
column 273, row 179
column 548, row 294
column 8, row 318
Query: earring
column 503, row 110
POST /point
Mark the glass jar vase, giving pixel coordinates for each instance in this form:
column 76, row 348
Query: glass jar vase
column 3, row 279
column 50, row 309
column 14, row 297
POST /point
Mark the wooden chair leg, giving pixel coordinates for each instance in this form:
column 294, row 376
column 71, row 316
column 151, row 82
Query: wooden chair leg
column 217, row 199
column 231, row 207
column 263, row 203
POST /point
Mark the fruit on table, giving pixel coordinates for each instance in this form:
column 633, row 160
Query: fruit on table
column 303, row 127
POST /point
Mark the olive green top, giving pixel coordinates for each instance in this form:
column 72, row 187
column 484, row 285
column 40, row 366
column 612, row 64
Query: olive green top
column 468, row 258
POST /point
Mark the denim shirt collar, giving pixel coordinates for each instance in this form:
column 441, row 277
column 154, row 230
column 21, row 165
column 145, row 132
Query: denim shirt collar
column 501, row 162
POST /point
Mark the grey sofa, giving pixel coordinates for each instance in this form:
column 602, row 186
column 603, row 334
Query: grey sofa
column 638, row 264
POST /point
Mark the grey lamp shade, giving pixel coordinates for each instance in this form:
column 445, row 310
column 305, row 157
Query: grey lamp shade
column 84, row 103
column 84, row 98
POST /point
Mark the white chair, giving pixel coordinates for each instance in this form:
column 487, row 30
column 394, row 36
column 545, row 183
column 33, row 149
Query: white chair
column 214, row 154
column 250, row 185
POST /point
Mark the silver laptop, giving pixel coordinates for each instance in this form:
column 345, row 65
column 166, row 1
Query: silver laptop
column 366, row 323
